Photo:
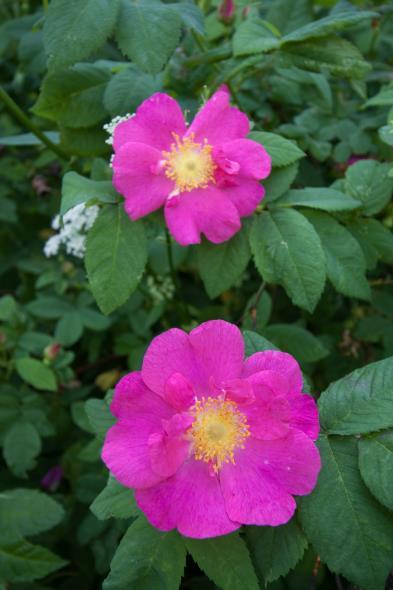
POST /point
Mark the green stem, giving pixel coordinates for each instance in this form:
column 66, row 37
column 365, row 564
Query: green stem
column 20, row 116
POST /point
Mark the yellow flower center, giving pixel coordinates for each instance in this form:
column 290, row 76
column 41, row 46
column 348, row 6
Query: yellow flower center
column 189, row 164
column 217, row 431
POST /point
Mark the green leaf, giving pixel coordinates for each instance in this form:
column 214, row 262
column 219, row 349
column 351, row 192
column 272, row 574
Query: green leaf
column 191, row 15
column 345, row 263
column 221, row 265
column 84, row 142
column 288, row 16
column 69, row 328
column 225, row 560
column 329, row 24
column 36, row 373
column 254, row 342
column 276, row 550
column 351, row 532
column 94, row 320
column 25, row 512
column 23, row 562
column 254, row 35
column 73, row 29
column 29, row 138
column 8, row 308
column 74, row 97
column 77, row 189
column 383, row 98
column 115, row 257
column 99, row 416
column 21, row 446
column 334, row 55
column 279, row 181
column 368, row 181
column 147, row 559
column 128, row 89
column 49, row 307
column 385, row 133
column 361, row 402
column 326, row 199
column 376, row 466
column 34, row 342
column 282, row 151
column 287, row 251
column 148, row 33
column 299, row 342
column 375, row 239
column 115, row 501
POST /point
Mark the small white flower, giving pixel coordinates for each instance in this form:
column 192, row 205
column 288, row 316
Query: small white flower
column 110, row 127
column 72, row 229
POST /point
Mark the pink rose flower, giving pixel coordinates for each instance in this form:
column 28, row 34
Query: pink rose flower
column 205, row 176
column 209, row 440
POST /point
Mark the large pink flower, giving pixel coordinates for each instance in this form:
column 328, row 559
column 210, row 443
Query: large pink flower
column 206, row 176
column 209, row 440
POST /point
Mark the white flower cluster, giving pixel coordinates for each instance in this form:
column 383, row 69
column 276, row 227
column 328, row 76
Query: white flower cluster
column 160, row 288
column 110, row 127
column 72, row 229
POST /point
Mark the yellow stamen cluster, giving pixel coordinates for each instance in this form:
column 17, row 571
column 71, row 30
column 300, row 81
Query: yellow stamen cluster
column 217, row 431
column 189, row 164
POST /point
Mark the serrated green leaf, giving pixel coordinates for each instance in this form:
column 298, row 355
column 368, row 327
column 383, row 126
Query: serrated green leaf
column 69, row 328
column 383, row 98
column 279, row 181
column 99, row 416
column 146, row 559
column 225, row 560
column 376, row 466
column 326, row 199
column 115, row 501
column 221, row 265
column 298, row 341
column 287, row 251
column 74, row 97
column 360, row 402
column 254, row 36
column 351, row 532
column 375, row 239
column 345, row 263
column 288, row 16
column 256, row 343
column 24, row 562
column 282, row 151
column 115, row 257
column 49, row 307
column 128, row 89
column 8, row 308
column 77, row 189
column 25, row 512
column 276, row 550
column 148, row 33
column 73, row 29
column 21, row 446
column 368, row 182
column 191, row 15
column 36, row 373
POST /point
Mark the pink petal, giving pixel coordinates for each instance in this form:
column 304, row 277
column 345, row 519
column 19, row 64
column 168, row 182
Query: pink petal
column 246, row 195
column 178, row 392
column 218, row 122
column 140, row 413
column 190, row 501
column 155, row 122
column 304, row 414
column 293, row 462
column 269, row 416
column 239, row 391
column 251, row 495
column 205, row 211
column 252, row 159
column 218, row 347
column 168, row 450
column 136, row 176
column 170, row 353
column 281, row 362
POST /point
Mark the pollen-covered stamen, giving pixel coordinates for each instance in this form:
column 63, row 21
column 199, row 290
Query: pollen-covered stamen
column 189, row 164
column 219, row 428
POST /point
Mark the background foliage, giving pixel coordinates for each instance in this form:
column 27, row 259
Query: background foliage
column 309, row 273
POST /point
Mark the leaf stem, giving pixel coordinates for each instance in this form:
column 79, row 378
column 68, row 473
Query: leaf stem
column 20, row 116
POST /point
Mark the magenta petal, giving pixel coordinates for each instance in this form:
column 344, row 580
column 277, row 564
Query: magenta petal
column 304, row 416
column 190, row 501
column 251, row 495
column 218, row 122
column 239, row 391
column 206, row 211
column 270, row 415
column 252, row 159
column 218, row 347
column 167, row 453
column 178, row 392
column 170, row 353
column 155, row 122
column 134, row 177
column 245, row 196
column 281, row 362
